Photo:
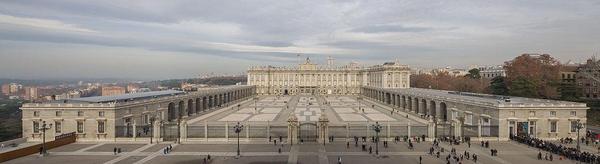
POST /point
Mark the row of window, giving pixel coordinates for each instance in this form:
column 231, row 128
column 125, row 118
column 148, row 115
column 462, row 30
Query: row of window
column 80, row 127
column 552, row 113
column 60, row 113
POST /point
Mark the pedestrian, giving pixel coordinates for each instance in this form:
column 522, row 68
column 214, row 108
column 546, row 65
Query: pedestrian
column 274, row 142
column 539, row 155
column 469, row 143
column 41, row 150
column 270, row 139
column 279, row 150
column 370, row 149
column 347, row 145
column 208, row 157
column 339, row 160
column 115, row 151
column 2, row 146
column 164, row 151
column 420, row 159
column 551, row 157
column 280, row 139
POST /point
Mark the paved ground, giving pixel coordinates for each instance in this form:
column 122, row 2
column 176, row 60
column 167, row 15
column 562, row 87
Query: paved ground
column 265, row 153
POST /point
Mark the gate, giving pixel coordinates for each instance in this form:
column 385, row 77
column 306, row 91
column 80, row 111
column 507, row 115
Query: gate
column 169, row 131
column 308, row 132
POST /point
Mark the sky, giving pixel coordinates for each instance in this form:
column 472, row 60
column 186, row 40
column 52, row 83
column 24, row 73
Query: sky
column 158, row 39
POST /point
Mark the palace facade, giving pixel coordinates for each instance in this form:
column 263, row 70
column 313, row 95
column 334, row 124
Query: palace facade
column 310, row 78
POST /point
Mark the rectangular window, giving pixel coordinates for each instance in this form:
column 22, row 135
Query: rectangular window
column 100, row 126
column 573, row 126
column 36, row 127
column 552, row 113
column 36, row 113
column 58, row 127
column 101, row 114
column 469, row 119
column 553, row 126
column 79, row 126
column 58, row 113
column 573, row 113
column 80, row 113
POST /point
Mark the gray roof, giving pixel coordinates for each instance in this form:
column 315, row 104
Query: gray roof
column 126, row 97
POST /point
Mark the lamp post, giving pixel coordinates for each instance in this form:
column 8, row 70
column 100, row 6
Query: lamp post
column 579, row 126
column 44, row 128
column 151, row 126
column 238, row 128
column 377, row 128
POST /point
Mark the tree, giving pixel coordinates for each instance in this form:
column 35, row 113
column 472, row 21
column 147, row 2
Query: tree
column 474, row 74
column 523, row 87
column 539, row 72
column 498, row 86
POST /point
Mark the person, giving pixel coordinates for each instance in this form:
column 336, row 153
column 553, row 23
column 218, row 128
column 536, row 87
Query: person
column 551, row 158
column 270, row 139
column 339, row 160
column 475, row 158
column 420, row 159
column 279, row 150
column 347, row 145
column 41, row 150
column 469, row 143
column 274, row 142
column 208, row 156
column 280, row 139
column 370, row 149
column 539, row 155
column 2, row 146
column 164, row 150
column 115, row 151
column 118, row 150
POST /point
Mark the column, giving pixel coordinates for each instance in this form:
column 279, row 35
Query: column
column 156, row 130
column 134, row 131
column 205, row 130
column 183, row 130
column 292, row 129
column 408, row 128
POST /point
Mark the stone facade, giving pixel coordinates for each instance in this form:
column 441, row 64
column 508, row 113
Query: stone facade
column 309, row 78
column 109, row 119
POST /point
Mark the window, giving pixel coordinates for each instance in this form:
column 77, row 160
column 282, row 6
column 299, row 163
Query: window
column 100, row 126
column 58, row 113
column 531, row 113
column 469, row 119
column 36, row 127
column 553, row 126
column 36, row 113
column 101, row 114
column 58, row 127
column 79, row 126
column 552, row 113
column 573, row 113
column 532, row 127
column 80, row 113
column 147, row 119
column 573, row 126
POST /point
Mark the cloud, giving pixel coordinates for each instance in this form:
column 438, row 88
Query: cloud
column 390, row 28
column 41, row 23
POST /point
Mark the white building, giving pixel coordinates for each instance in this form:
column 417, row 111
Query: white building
column 309, row 78
column 492, row 71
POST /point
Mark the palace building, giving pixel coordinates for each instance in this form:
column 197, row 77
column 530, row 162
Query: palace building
column 310, row 78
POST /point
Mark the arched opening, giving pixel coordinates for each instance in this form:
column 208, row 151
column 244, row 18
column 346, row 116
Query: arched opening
column 181, row 109
column 285, row 92
column 444, row 111
column 417, row 105
column 204, row 103
column 387, row 98
column 171, row 112
column 404, row 102
column 424, row 107
column 432, row 109
column 190, row 107
column 210, row 101
column 409, row 104
column 198, row 105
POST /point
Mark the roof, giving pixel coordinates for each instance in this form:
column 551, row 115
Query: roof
column 126, row 97
column 483, row 98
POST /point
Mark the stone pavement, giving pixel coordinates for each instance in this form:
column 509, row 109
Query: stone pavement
column 261, row 152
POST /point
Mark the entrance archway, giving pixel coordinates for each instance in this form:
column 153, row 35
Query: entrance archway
column 285, row 92
column 308, row 132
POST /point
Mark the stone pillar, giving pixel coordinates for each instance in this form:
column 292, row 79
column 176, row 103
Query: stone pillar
column 205, row 130
column 388, row 130
column 183, row 130
column 457, row 128
column 408, row 130
column 431, row 129
column 323, row 128
column 293, row 129
column 479, row 129
column 156, row 130
column 134, row 131
column 347, row 131
column 227, row 131
column 247, row 130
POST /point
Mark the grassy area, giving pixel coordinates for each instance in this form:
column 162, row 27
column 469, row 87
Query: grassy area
column 10, row 119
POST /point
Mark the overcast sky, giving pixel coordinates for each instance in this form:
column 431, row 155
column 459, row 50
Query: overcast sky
column 174, row 39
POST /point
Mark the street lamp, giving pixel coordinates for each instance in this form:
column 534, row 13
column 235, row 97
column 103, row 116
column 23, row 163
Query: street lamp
column 579, row 126
column 238, row 128
column 44, row 128
column 377, row 128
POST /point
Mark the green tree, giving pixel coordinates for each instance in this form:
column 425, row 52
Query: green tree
column 523, row 87
column 473, row 74
column 498, row 86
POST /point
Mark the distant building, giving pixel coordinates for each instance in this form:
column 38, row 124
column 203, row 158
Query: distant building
column 112, row 91
column 15, row 88
column 489, row 72
column 6, row 89
column 31, row 93
column 587, row 77
column 132, row 88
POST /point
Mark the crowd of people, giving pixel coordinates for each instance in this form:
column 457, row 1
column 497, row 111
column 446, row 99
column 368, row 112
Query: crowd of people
column 559, row 149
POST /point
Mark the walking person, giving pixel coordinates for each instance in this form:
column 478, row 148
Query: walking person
column 339, row 160
column 115, row 151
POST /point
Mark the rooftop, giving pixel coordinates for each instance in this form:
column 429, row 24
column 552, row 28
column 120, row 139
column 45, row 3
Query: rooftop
column 126, row 97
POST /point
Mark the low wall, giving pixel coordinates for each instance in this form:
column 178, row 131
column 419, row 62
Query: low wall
column 58, row 141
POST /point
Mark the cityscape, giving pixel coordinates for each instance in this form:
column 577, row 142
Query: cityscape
column 300, row 82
